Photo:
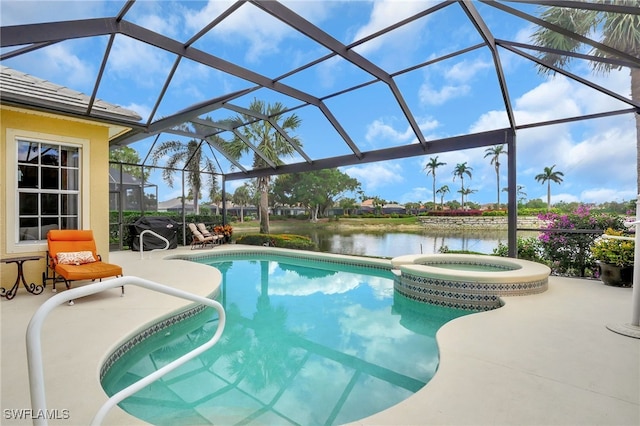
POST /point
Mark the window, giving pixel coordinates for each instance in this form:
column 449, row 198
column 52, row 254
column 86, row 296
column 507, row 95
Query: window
column 48, row 188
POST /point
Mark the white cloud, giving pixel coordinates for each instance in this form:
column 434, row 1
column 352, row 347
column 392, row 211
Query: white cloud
column 614, row 162
column 430, row 96
column 379, row 130
column 552, row 99
column 30, row 12
column 376, row 175
column 395, row 49
column 465, row 70
column 385, row 13
column 140, row 62
column 264, row 38
column 601, row 195
column 419, row 193
column 454, row 84
column 142, row 110
column 167, row 25
column 564, row 197
column 69, row 68
column 589, row 153
column 490, row 120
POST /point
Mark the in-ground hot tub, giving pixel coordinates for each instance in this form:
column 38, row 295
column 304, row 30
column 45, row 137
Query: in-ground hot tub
column 467, row 281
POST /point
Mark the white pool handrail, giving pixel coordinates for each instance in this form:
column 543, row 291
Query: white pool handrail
column 34, row 344
column 616, row 237
column 155, row 234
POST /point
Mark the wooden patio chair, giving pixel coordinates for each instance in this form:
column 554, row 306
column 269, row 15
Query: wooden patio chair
column 217, row 239
column 72, row 256
column 199, row 240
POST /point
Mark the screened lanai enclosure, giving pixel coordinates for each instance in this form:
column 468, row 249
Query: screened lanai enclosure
column 366, row 82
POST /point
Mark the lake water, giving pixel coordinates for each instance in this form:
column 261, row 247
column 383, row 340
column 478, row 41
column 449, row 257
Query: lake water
column 392, row 244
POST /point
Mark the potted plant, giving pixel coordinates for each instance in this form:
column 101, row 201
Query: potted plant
column 614, row 257
column 225, row 230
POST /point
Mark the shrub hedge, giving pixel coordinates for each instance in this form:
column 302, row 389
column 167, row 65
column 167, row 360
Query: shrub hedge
column 289, row 241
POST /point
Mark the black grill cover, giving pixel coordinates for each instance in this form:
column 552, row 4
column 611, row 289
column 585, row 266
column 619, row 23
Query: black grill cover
column 164, row 226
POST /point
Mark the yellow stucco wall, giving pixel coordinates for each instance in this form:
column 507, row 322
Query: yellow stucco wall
column 98, row 202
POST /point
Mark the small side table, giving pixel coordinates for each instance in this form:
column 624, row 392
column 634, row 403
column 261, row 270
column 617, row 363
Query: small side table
column 31, row 288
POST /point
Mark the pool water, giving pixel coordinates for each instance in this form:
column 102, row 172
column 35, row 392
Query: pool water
column 307, row 344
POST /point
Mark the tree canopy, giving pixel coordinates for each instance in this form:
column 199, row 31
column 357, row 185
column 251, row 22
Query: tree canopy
column 316, row 190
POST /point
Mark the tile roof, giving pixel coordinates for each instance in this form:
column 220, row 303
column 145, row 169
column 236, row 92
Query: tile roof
column 18, row 87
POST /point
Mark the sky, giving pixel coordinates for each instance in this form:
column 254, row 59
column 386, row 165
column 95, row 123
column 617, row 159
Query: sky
column 449, row 98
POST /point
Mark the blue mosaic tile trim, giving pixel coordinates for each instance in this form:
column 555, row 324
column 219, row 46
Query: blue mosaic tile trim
column 447, row 297
column 452, row 303
column 145, row 334
column 501, row 289
column 307, row 257
column 463, row 294
column 467, row 262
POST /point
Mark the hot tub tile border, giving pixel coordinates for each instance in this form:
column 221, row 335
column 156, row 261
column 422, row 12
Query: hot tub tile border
column 464, row 294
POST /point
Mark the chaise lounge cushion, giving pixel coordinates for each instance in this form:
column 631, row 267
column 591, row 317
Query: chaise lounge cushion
column 67, row 241
column 88, row 271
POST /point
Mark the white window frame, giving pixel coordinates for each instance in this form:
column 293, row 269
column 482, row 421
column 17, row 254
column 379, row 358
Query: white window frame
column 14, row 245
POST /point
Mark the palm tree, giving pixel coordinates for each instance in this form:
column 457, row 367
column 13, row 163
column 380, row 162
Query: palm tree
column 461, row 170
column 188, row 156
column 348, row 205
column 466, row 192
column 618, row 30
column 549, row 176
column 242, row 197
column 431, row 167
column 520, row 194
column 271, row 143
column 442, row 191
column 495, row 152
column 378, row 203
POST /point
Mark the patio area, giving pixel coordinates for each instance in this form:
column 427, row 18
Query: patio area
column 540, row 359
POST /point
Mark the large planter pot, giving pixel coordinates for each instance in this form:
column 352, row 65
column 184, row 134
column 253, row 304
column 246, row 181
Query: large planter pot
column 619, row 276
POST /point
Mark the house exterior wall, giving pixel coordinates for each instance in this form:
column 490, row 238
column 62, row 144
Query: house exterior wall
column 94, row 190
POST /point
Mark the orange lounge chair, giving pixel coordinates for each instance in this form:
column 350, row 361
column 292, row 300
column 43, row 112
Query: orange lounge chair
column 72, row 256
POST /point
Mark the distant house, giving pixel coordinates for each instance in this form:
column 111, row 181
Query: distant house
column 367, row 207
column 393, row 208
column 175, row 205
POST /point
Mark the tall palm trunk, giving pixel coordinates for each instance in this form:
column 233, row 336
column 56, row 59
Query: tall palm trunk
column 434, row 190
column 263, row 185
column 548, row 194
column 498, row 185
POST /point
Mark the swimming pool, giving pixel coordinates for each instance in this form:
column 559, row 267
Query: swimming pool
column 305, row 343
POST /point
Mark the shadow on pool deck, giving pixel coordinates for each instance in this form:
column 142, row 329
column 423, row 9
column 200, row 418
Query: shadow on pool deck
column 540, row 359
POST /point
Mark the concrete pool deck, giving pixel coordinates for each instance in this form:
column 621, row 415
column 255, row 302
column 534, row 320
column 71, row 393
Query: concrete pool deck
column 539, row 360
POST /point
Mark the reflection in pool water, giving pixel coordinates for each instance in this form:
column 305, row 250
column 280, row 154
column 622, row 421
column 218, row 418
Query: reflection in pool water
column 326, row 344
